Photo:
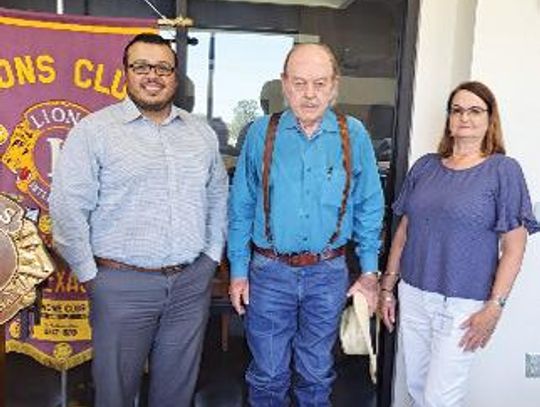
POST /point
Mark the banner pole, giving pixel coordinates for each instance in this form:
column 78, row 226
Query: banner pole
column 63, row 373
column 2, row 365
column 63, row 387
column 59, row 6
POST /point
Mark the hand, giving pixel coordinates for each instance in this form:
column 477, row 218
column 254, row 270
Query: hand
column 367, row 284
column 480, row 326
column 239, row 292
column 387, row 309
column 203, row 263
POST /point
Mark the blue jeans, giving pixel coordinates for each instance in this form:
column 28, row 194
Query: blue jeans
column 292, row 321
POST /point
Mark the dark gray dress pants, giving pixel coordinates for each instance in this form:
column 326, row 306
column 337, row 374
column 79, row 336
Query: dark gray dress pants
column 139, row 316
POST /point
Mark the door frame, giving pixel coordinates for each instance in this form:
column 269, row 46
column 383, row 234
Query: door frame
column 398, row 171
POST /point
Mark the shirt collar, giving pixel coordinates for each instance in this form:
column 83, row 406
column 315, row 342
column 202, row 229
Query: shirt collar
column 328, row 122
column 131, row 112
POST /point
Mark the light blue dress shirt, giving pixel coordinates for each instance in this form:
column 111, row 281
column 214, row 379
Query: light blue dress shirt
column 128, row 189
column 306, row 185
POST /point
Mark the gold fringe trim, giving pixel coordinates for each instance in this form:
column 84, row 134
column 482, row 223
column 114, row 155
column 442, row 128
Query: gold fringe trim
column 46, row 359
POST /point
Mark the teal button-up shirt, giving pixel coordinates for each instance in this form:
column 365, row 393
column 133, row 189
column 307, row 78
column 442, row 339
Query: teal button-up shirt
column 306, row 186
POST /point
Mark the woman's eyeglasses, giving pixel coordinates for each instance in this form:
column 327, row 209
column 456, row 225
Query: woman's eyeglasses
column 473, row 112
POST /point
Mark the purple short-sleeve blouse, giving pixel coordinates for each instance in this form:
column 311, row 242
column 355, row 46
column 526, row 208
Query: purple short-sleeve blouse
column 455, row 218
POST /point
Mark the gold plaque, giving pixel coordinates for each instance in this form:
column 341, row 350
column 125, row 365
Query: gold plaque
column 25, row 262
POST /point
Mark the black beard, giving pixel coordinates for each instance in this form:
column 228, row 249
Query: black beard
column 150, row 107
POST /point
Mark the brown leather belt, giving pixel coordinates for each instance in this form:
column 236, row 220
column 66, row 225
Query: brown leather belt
column 118, row 265
column 301, row 259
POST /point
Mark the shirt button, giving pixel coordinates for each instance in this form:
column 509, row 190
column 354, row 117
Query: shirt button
column 307, row 215
column 305, row 239
column 308, row 169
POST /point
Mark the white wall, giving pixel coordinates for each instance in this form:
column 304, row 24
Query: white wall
column 507, row 57
column 497, row 42
column 444, row 48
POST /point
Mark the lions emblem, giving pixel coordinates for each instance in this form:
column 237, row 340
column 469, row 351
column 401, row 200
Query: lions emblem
column 35, row 145
column 25, row 263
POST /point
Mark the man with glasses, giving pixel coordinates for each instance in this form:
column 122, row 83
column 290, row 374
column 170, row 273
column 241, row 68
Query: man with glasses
column 306, row 182
column 139, row 211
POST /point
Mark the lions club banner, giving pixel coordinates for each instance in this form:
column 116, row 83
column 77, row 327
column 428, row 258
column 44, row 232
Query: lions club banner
column 54, row 70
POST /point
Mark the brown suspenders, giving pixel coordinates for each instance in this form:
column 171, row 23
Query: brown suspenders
column 347, row 166
column 267, row 164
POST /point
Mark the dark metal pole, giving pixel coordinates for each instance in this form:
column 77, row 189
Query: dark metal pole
column 211, row 67
column 181, row 55
column 400, row 153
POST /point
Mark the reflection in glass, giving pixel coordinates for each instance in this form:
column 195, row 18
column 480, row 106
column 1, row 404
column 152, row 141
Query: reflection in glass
column 239, row 83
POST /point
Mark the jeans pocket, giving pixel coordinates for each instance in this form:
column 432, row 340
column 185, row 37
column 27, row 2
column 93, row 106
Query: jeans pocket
column 337, row 263
column 259, row 262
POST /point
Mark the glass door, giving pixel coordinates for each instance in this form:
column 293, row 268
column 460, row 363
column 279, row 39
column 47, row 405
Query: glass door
column 232, row 76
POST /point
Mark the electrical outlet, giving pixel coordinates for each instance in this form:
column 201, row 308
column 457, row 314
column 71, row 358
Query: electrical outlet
column 532, row 365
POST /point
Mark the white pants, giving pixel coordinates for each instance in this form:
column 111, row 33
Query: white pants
column 436, row 368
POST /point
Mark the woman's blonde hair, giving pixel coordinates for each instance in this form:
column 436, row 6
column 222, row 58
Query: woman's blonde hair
column 493, row 140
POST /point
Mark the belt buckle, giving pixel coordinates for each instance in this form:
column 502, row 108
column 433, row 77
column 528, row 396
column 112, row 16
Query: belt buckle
column 327, row 254
column 302, row 259
column 170, row 270
column 295, row 260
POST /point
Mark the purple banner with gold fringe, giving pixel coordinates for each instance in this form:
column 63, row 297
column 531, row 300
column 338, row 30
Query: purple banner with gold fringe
column 54, row 70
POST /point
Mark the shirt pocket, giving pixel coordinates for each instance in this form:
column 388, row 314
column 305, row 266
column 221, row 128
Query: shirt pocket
column 333, row 186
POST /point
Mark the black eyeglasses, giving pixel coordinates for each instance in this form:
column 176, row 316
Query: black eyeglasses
column 141, row 68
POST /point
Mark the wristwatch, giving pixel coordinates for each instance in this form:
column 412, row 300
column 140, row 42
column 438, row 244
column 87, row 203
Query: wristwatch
column 499, row 300
column 375, row 273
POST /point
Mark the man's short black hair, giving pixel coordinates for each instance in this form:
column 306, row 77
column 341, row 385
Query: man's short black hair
column 147, row 38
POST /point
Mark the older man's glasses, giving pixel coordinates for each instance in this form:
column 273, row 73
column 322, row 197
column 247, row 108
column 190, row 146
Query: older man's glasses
column 474, row 112
column 141, row 68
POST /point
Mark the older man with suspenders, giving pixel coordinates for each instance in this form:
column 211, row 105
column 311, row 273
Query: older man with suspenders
column 306, row 183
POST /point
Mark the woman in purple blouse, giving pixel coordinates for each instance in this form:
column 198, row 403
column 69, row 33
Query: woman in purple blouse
column 458, row 248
